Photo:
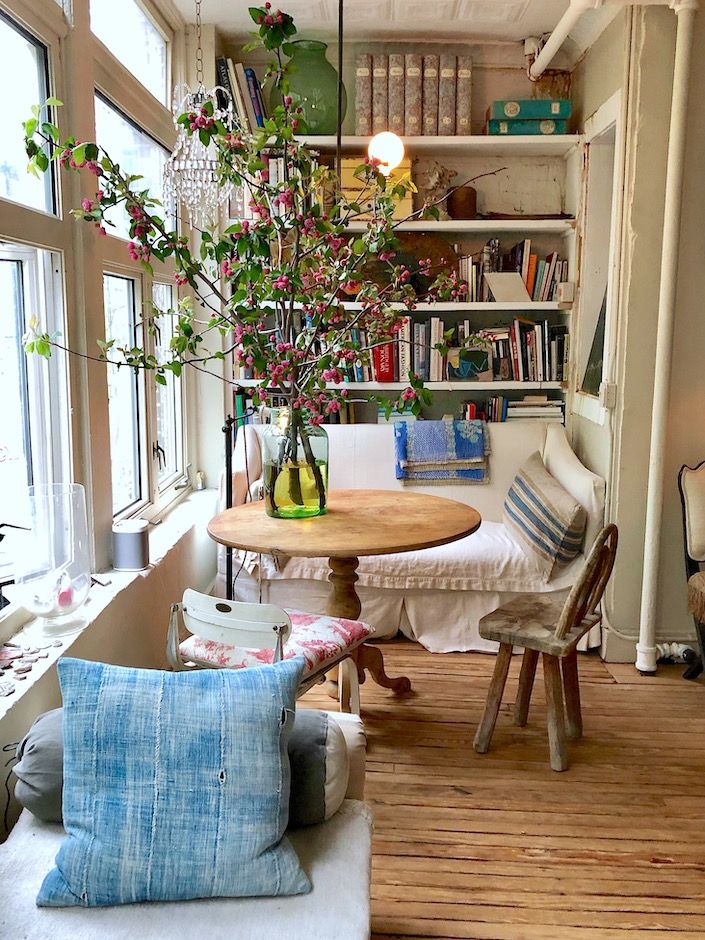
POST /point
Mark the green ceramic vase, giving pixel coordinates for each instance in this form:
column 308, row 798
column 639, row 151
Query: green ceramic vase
column 313, row 86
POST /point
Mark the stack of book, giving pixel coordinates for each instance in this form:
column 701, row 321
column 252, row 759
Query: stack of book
column 530, row 116
column 541, row 277
column 412, row 94
column 535, row 408
column 245, row 93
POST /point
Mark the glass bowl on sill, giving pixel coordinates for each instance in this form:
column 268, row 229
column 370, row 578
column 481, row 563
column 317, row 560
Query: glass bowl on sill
column 52, row 569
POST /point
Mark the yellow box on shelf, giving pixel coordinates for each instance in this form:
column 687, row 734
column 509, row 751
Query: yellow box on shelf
column 353, row 188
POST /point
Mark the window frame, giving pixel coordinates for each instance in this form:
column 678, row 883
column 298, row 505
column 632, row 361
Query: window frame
column 609, row 115
column 79, row 65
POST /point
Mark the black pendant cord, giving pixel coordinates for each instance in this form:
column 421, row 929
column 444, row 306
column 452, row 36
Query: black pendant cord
column 338, row 137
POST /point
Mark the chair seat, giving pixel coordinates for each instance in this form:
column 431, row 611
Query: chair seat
column 530, row 621
column 321, row 640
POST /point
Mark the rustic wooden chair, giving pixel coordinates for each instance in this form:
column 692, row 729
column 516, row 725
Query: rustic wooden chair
column 691, row 486
column 537, row 623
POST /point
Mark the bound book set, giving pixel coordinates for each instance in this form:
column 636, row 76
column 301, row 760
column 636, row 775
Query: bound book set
column 412, row 94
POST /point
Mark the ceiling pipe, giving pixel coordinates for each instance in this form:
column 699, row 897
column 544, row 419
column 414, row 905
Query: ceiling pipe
column 646, row 647
column 568, row 21
column 559, row 36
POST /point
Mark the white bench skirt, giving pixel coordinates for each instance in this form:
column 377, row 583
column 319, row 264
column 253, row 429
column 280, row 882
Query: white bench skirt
column 336, row 855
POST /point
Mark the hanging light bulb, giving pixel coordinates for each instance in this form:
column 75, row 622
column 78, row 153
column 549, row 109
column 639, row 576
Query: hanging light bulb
column 191, row 172
column 388, row 149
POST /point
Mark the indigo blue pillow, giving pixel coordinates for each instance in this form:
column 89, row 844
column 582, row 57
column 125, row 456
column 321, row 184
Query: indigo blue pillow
column 176, row 785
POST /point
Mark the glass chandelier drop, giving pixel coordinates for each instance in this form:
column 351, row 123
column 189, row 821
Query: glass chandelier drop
column 191, row 172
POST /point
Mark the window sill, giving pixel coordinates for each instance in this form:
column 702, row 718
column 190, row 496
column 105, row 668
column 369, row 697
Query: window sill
column 194, row 511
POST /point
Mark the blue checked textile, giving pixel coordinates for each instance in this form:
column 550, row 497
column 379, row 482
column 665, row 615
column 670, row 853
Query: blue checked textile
column 441, row 451
column 176, row 785
column 545, row 519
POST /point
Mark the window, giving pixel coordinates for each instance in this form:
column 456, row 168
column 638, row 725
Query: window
column 124, row 398
column 134, row 150
column 133, row 38
column 33, row 390
column 24, row 76
column 169, row 443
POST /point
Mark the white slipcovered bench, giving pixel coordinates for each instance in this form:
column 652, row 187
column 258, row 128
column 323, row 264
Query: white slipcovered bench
column 436, row 596
column 336, row 855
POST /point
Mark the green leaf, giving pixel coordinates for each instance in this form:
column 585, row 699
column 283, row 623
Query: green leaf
column 42, row 161
column 160, row 379
column 54, row 103
column 204, row 136
column 255, row 13
column 79, row 153
column 30, row 126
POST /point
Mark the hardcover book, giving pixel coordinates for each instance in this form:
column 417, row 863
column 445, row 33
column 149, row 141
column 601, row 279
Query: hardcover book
column 379, row 93
column 446, row 95
column 516, row 128
column 363, row 95
column 395, row 92
column 532, row 108
column 412, row 94
column 430, row 95
column 463, row 95
column 383, row 358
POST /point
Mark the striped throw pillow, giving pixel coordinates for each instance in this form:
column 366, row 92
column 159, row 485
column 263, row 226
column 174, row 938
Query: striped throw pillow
column 545, row 519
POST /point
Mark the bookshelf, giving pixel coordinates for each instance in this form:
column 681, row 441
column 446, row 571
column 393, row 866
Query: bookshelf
column 536, row 196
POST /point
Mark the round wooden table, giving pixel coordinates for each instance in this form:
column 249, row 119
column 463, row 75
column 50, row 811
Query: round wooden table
column 357, row 522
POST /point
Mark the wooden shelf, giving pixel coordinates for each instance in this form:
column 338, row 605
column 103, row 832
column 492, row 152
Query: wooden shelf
column 481, row 226
column 433, row 386
column 558, row 146
column 442, row 306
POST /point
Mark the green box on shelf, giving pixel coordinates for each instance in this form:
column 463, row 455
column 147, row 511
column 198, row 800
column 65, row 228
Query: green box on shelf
column 530, row 108
column 546, row 127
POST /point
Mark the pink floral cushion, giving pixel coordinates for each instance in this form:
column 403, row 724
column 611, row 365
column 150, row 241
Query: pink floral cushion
column 316, row 637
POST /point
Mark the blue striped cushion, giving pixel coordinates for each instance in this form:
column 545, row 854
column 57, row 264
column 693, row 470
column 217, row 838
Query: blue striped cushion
column 545, row 519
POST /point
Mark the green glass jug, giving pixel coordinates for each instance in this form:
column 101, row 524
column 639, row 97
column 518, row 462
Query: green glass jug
column 313, row 86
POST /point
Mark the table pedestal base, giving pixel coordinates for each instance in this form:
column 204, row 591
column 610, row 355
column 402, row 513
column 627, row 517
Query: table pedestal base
column 344, row 602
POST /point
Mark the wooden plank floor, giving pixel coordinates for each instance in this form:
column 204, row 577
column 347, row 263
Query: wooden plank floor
column 498, row 845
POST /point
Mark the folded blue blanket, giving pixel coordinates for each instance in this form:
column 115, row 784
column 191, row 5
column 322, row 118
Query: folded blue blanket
column 428, row 451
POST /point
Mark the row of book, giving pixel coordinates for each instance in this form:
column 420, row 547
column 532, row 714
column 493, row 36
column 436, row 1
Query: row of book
column 541, row 277
column 245, row 92
column 527, row 351
column 499, row 408
column 524, row 351
column 412, row 94
column 242, row 198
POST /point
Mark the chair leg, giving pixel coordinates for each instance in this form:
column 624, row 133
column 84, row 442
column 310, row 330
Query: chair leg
column 571, row 687
column 526, row 685
column 554, row 704
column 348, row 687
column 494, row 699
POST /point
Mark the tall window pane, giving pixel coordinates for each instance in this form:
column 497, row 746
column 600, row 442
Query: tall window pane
column 34, row 438
column 169, row 415
column 133, row 39
column 123, row 394
column 23, row 78
column 136, row 153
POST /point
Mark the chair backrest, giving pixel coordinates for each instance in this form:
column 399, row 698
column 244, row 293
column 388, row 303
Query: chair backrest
column 580, row 608
column 251, row 626
column 691, row 486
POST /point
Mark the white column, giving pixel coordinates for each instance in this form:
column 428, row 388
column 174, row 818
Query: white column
column 646, row 647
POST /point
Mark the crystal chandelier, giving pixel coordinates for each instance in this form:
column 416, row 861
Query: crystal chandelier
column 191, row 172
